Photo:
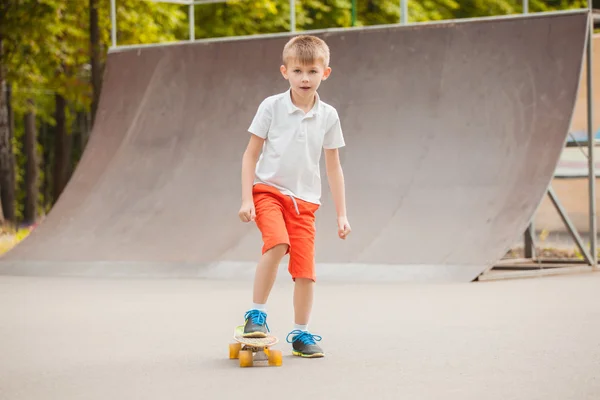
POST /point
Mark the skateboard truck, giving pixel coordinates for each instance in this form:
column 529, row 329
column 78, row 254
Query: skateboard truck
column 254, row 351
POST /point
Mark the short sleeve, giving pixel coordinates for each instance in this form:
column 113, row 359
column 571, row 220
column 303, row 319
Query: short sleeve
column 262, row 120
column 334, row 138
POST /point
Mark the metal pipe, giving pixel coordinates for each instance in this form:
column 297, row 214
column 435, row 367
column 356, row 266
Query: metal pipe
column 591, row 138
column 192, row 22
column 196, row 3
column 525, row 6
column 403, row 12
column 292, row 15
column 572, row 230
column 113, row 22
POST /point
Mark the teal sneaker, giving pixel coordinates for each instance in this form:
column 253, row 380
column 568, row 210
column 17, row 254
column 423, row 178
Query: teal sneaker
column 256, row 324
column 304, row 344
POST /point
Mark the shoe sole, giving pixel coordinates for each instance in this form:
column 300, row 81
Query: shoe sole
column 255, row 335
column 315, row 355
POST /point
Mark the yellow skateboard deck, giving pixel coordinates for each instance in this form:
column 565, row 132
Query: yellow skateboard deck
column 268, row 341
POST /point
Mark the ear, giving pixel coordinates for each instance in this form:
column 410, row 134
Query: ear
column 283, row 70
column 326, row 73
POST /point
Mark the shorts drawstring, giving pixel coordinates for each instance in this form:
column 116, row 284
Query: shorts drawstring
column 295, row 204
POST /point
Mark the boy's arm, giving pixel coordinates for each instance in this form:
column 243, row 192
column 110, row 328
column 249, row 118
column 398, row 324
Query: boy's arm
column 335, row 176
column 249, row 160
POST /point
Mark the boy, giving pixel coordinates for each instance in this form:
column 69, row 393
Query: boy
column 281, row 189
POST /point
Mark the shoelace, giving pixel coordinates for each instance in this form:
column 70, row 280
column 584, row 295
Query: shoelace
column 257, row 317
column 303, row 336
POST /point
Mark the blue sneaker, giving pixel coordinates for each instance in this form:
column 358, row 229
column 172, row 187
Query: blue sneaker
column 256, row 324
column 304, row 344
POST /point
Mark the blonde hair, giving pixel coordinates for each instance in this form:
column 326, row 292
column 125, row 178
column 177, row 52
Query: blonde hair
column 306, row 49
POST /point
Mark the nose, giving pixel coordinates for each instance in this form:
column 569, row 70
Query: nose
column 304, row 77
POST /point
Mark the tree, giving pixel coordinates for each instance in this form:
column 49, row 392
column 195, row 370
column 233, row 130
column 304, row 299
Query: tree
column 317, row 14
column 18, row 30
column 140, row 22
column 47, row 49
column 7, row 194
column 32, row 166
column 95, row 61
column 241, row 18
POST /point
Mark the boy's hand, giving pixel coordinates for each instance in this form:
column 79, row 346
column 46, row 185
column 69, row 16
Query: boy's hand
column 343, row 227
column 247, row 212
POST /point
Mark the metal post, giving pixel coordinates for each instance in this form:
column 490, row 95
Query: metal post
column 591, row 138
column 572, row 230
column 403, row 12
column 113, row 19
column 525, row 6
column 192, row 22
column 353, row 12
column 292, row 16
column 529, row 247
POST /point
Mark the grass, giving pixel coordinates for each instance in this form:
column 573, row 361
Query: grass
column 550, row 252
column 9, row 237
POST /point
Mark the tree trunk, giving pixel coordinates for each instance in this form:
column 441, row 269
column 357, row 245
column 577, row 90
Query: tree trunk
column 79, row 138
column 47, row 166
column 68, row 150
column 11, row 136
column 7, row 186
column 31, row 166
column 61, row 158
column 95, row 56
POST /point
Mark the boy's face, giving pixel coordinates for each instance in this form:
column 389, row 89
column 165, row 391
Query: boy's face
column 305, row 79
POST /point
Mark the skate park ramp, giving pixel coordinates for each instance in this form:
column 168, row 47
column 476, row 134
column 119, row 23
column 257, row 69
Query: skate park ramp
column 453, row 132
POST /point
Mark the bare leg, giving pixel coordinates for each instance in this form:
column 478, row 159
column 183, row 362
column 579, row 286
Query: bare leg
column 266, row 272
column 303, row 300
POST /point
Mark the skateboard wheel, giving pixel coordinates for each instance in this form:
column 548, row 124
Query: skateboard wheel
column 246, row 358
column 234, row 350
column 275, row 358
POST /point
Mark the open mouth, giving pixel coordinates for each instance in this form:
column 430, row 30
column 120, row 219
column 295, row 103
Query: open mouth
column 304, row 87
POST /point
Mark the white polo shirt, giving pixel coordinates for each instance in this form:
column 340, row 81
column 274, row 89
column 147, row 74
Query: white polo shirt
column 293, row 145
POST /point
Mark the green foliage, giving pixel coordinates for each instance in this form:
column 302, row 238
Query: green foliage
column 486, row 8
column 48, row 43
column 316, row 14
column 241, row 17
column 432, row 10
column 141, row 22
column 236, row 18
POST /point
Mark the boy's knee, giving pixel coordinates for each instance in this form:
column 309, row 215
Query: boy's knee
column 304, row 281
column 278, row 251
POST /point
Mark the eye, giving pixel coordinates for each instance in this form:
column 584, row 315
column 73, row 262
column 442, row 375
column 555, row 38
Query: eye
column 313, row 71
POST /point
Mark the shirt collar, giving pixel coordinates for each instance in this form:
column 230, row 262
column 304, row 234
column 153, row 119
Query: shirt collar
column 292, row 108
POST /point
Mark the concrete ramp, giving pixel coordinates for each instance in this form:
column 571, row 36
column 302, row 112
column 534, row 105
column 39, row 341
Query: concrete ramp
column 453, row 132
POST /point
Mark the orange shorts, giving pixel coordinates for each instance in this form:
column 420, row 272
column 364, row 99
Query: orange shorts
column 280, row 222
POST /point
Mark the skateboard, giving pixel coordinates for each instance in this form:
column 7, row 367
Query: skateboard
column 254, row 351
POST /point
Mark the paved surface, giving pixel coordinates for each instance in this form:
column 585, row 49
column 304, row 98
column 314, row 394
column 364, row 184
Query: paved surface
column 144, row 203
column 451, row 127
column 69, row 338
